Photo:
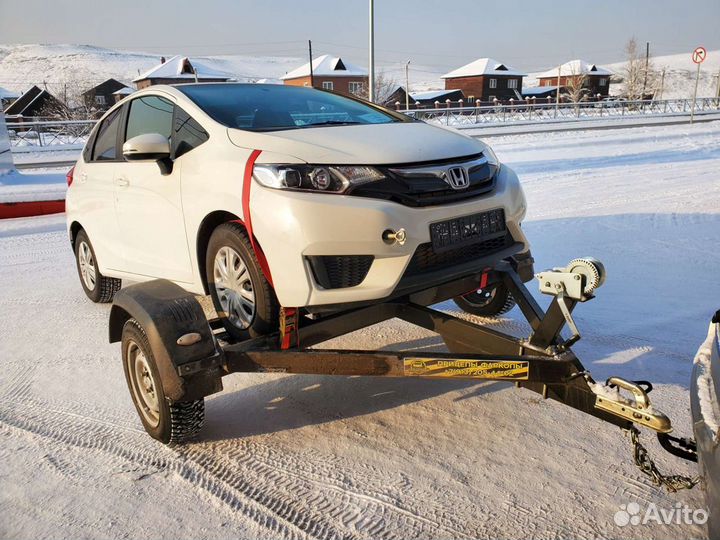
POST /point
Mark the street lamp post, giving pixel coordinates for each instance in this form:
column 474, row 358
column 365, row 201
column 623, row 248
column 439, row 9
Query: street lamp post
column 371, row 66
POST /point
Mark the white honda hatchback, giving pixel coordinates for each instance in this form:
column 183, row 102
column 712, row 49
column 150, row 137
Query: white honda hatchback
column 265, row 196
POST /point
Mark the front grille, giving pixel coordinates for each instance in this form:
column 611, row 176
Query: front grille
column 427, row 189
column 426, row 259
column 340, row 271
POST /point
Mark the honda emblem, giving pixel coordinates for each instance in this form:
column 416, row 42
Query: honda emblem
column 457, row 177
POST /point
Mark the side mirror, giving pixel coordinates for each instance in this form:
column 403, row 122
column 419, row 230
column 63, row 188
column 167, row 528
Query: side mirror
column 147, row 147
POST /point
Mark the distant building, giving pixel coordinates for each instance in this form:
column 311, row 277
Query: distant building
column 330, row 73
column 486, row 79
column 399, row 95
column 102, row 96
column 428, row 99
column 177, row 70
column 595, row 80
column 122, row 93
column 539, row 92
column 35, row 103
column 7, row 97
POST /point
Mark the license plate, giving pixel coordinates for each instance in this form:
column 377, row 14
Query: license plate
column 467, row 230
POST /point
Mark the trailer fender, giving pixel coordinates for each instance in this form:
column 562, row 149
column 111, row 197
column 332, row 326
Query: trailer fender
column 167, row 313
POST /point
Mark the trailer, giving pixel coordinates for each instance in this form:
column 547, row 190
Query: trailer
column 174, row 356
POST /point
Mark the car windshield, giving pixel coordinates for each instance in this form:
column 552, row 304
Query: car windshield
column 272, row 107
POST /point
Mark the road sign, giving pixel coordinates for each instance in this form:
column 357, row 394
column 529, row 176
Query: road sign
column 698, row 55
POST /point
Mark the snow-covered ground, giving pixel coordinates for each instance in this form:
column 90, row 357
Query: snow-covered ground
column 322, row 457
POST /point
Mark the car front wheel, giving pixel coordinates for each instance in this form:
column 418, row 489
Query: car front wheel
column 243, row 298
column 493, row 300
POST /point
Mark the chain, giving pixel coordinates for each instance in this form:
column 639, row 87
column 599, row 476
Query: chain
column 672, row 482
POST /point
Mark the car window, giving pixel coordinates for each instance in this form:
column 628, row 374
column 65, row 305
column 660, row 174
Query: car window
column 269, row 107
column 149, row 114
column 187, row 133
column 105, row 148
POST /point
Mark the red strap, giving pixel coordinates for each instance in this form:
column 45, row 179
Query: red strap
column 484, row 278
column 247, row 182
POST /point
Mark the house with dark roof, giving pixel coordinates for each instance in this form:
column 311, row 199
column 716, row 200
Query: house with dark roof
column 431, row 98
column 486, row 79
column 100, row 98
column 177, row 70
column 399, row 96
column 330, row 73
column 35, row 103
column 593, row 78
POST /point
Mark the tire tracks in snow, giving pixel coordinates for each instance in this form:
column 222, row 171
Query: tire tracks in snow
column 245, row 477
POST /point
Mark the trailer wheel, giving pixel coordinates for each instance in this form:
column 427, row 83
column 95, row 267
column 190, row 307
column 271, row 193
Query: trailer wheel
column 167, row 422
column 489, row 302
column 243, row 298
column 98, row 288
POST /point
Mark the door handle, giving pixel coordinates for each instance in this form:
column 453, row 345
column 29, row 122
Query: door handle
column 122, row 182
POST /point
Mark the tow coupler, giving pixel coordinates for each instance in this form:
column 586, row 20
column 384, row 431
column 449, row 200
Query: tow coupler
column 191, row 356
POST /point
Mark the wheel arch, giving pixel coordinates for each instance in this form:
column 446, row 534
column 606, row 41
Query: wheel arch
column 75, row 228
column 207, row 226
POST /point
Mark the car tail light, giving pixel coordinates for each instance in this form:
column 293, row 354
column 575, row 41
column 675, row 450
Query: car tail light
column 69, row 176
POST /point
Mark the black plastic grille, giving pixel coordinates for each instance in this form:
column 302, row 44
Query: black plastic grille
column 426, row 259
column 340, row 271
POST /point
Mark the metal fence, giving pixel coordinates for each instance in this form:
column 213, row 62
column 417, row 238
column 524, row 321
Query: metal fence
column 75, row 132
column 48, row 133
column 527, row 111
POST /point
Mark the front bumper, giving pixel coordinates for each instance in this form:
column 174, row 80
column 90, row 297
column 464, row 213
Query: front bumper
column 704, row 390
column 291, row 227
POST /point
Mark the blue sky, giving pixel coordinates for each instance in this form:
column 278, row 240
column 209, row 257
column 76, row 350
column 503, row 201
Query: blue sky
column 526, row 34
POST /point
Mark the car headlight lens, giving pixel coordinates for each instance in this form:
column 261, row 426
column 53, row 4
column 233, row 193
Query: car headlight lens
column 493, row 161
column 318, row 178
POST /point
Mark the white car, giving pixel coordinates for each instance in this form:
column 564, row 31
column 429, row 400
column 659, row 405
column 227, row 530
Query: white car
column 266, row 195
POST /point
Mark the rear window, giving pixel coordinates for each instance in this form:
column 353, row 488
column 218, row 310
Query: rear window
column 271, row 107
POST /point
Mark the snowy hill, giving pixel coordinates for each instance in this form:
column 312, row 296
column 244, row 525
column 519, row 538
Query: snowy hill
column 84, row 66
column 21, row 66
column 679, row 75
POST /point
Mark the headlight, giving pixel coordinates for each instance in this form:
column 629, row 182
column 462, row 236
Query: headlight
column 319, row 178
column 493, row 161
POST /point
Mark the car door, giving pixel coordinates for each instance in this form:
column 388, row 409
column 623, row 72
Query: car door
column 149, row 202
column 95, row 179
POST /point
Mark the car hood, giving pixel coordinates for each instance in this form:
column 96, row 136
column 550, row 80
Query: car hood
column 367, row 144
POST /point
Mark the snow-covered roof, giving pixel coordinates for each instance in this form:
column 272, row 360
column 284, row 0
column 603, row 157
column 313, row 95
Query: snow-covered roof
column 327, row 66
column 574, row 67
column 180, row 67
column 8, row 94
column 268, row 81
column 431, row 94
column 484, row 66
column 125, row 91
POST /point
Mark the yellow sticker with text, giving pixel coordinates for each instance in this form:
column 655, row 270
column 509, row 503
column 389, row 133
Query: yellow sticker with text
column 510, row 370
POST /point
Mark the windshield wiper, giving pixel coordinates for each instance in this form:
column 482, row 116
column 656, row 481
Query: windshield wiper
column 332, row 123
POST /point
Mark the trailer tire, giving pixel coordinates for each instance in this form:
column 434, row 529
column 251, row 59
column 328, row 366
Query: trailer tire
column 230, row 241
column 98, row 288
column 492, row 301
column 165, row 421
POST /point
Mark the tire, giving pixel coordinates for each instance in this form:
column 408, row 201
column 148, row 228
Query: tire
column 98, row 288
column 249, row 308
column 167, row 422
column 492, row 301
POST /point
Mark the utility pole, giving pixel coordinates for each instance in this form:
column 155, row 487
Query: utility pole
column 717, row 91
column 647, row 64
column 557, row 92
column 371, row 55
column 407, row 86
column 312, row 77
column 662, row 83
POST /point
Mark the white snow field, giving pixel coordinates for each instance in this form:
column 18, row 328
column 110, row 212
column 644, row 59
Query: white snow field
column 349, row 457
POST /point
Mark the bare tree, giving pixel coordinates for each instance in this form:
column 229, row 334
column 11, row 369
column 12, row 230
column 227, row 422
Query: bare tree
column 72, row 102
column 576, row 83
column 638, row 75
column 385, row 85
